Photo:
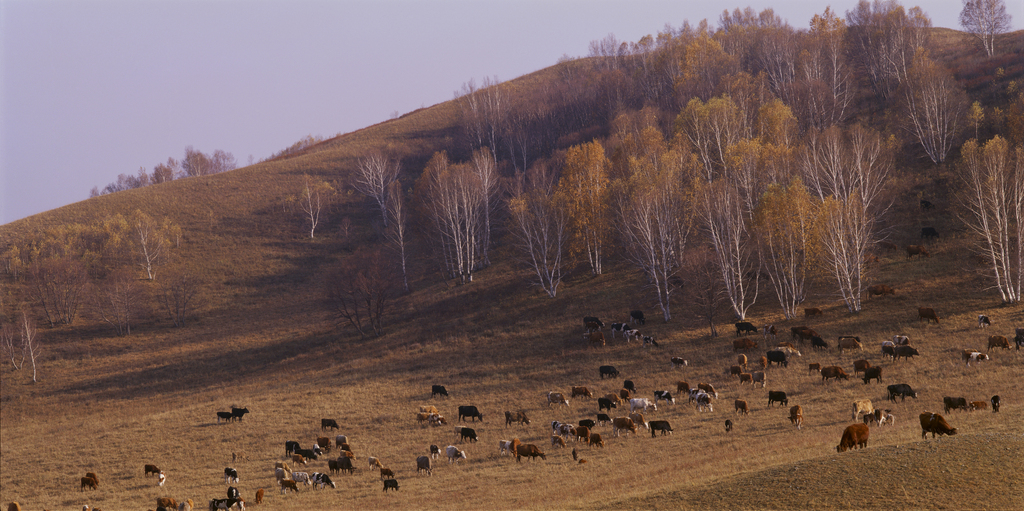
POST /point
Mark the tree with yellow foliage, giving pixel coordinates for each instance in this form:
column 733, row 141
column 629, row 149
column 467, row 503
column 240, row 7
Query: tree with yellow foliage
column 784, row 221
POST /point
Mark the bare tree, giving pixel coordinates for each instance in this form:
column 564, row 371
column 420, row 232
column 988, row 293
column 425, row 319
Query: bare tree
column 59, row 285
column 396, row 233
column 883, row 39
column 825, row 88
column 312, row 199
column 195, row 163
column 361, row 292
column 150, row 243
column 374, row 173
column 486, row 170
column 725, row 222
column 452, row 198
column 934, row 106
column 993, row 199
column 179, row 295
column 703, row 286
column 7, row 334
column 116, row 301
column 985, row 19
column 540, row 225
column 30, row 342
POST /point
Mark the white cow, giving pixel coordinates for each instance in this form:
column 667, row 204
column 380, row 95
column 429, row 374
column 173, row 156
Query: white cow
column 638, row 403
column 454, row 454
column 322, row 480
column 161, row 478
column 900, row 340
column 504, row 447
column 301, row 477
column 703, row 400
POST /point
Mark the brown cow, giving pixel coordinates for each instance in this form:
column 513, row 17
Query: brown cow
column 746, row 377
column 324, row 443
column 859, row 366
column 682, row 387
column 873, row 373
column 880, row 290
column 812, row 311
column 679, row 362
column 259, row 496
column 998, row 341
column 849, row 343
column 805, row 334
column 814, row 367
column 529, row 450
column 166, row 502
column 580, row 391
column 763, row 361
column 742, row 361
column 855, row 435
column 741, row 406
column 622, row 424
column 735, row 370
column 582, row 433
column 835, row 372
column 89, row 482
column 796, row 416
column 288, row 484
column 977, row 405
column 913, row 250
column 519, row 417
column 927, row 313
column 743, row 344
column 596, row 338
column 934, row 423
column 595, row 439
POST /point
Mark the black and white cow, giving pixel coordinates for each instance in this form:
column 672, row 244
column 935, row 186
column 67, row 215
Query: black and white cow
column 664, row 394
column 290, row 447
column 619, row 327
column 983, row 321
column 230, row 475
column 321, row 480
column 233, row 493
column 649, row 341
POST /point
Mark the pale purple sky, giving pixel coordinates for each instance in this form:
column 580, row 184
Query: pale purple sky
column 91, row 89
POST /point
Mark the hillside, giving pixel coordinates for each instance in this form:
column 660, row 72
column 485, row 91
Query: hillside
column 262, row 337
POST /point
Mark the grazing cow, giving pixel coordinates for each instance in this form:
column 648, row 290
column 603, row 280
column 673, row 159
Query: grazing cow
column 438, row 390
column 814, row 367
column 728, row 425
column 905, row 352
column 796, row 416
column 903, row 390
column 977, row 405
column 860, row 366
column 998, row 341
column 259, row 498
column 818, row 343
column 454, row 454
column 682, row 387
column 519, row 416
column 638, row 419
column 504, row 447
column 332, row 465
column 880, row 290
column 862, row 406
column 223, row 415
column 471, row 412
column 662, row 426
column 849, row 343
column 741, row 360
column 595, row 439
column 580, row 391
column 900, row 340
column 166, row 502
column 328, row 423
column 593, row 319
column 557, row 441
column 288, row 484
column 744, row 327
column 374, row 463
column 629, row 385
column 648, row 340
column 435, row 451
column 812, row 311
column 309, row 454
column 468, row 433
column 423, row 463
column 343, row 439
column 929, row 232
column 587, row 423
column 935, row 424
column 151, row 469
column 889, row 351
column 746, row 377
column 556, row 398
column 951, row 403
column 390, row 483
column 834, row 372
column 301, row 477
column 529, row 450
column 583, row 433
column 237, row 413
column 913, row 250
column 768, row 331
column 1018, row 340
column 89, row 482
column 983, row 321
column 637, row 317
column 603, row 418
column 703, row 402
column 928, row 314
column 873, row 373
column 741, row 406
column 290, row 447
column 596, row 338
column 622, row 424
column 788, row 348
column 855, row 435
column 970, row 355
column 299, row 459
column 607, row 371
column 679, row 362
column 777, row 357
column 605, row 403
column 764, row 362
column 230, row 475
column 591, row 327
column 618, row 327
column 707, row 387
column 664, row 395
column 344, row 463
column 777, row 397
column 796, row 331
column 759, row 377
column 743, row 344
column 624, row 394
column 868, row 418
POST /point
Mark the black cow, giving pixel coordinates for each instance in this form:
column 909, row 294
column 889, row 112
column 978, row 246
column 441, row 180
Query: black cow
column 230, row 475
column 662, row 426
column 744, row 327
column 995, row 404
column 889, row 351
column 468, row 433
column 471, row 412
column 728, row 425
column 224, row 415
column 603, row 403
column 438, row 390
column 777, row 357
column 903, row 390
column 951, row 403
column 588, row 423
column 592, row 319
column 308, row 453
column 290, row 447
column 233, row 493
column 637, row 317
column 610, row 371
column 603, row 417
column 237, row 413
column 818, row 343
column 777, row 397
column 905, row 352
column 929, row 232
column 390, row 483
column 873, row 373
column 328, row 423
column 628, row 385
column 345, row 463
column 926, row 204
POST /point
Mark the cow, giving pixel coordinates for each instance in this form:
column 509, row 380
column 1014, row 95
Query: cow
column 309, row 454
column 929, row 232
column 593, row 320
column 768, row 331
column 423, row 463
column 161, row 478
column 682, row 387
column 237, row 413
column 639, row 420
column 746, row 377
column 796, row 416
column 759, row 377
column 983, row 321
column 812, row 311
column 605, row 403
column 934, row 423
column 610, row 371
column 471, row 412
column 557, row 398
column 587, row 423
column 927, row 314
column 519, row 416
column 797, row 329
column 454, row 454
column 529, row 450
column 664, row 395
column 903, row 390
column 913, row 250
column 649, row 341
column 777, row 397
column 328, row 423
column 741, row 361
column 777, row 357
column 637, row 317
column 1018, row 340
column 343, row 439
column 438, row 390
column 301, row 477
column 624, row 394
column 583, row 433
column 763, row 362
column 995, row 404
column 622, row 424
column 595, row 439
column 590, row 327
column 259, row 498
column 855, row 435
column 873, row 373
column 728, row 425
column 744, row 327
column 951, row 403
column 89, row 482
column 880, row 290
column 814, row 367
column 631, row 334
column 618, row 327
column 230, row 475
column 703, row 401
column 468, row 434
column 905, row 352
column 223, row 415
column 390, row 483
column 860, row 366
column 926, row 204
column 580, row 391
column 743, row 344
column 741, row 406
column 595, row 338
column 998, row 341
column 833, row 372
column 166, row 502
column 973, row 356
column 900, row 340
column 321, row 480
column 504, row 447
column 435, row 451
column 629, row 385
column 602, row 418
column 888, row 350
column 818, row 343
column 707, row 387
column 641, row 403
column 343, row 463
column 977, row 405
column 849, row 343
column 324, row 443
column 288, row 484
column 662, row 426
column 887, row 418
column 861, row 406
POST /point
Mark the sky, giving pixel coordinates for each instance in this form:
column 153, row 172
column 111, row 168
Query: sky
column 90, row 89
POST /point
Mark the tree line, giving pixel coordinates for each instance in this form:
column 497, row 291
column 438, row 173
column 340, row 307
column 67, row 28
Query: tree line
column 193, row 163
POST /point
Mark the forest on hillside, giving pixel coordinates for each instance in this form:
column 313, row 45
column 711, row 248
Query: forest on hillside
column 728, row 164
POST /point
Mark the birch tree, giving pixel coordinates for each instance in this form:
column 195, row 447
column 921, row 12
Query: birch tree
column 179, row 295
column 934, row 107
column 30, row 342
column 116, row 301
column 584, row 187
column 985, row 19
column 150, row 243
column 313, row 198
column 397, row 232
column 784, row 219
column 540, row 225
column 451, row 197
column 724, row 220
column 59, row 285
column 486, row 170
column 993, row 199
column 374, row 173
column 8, row 332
